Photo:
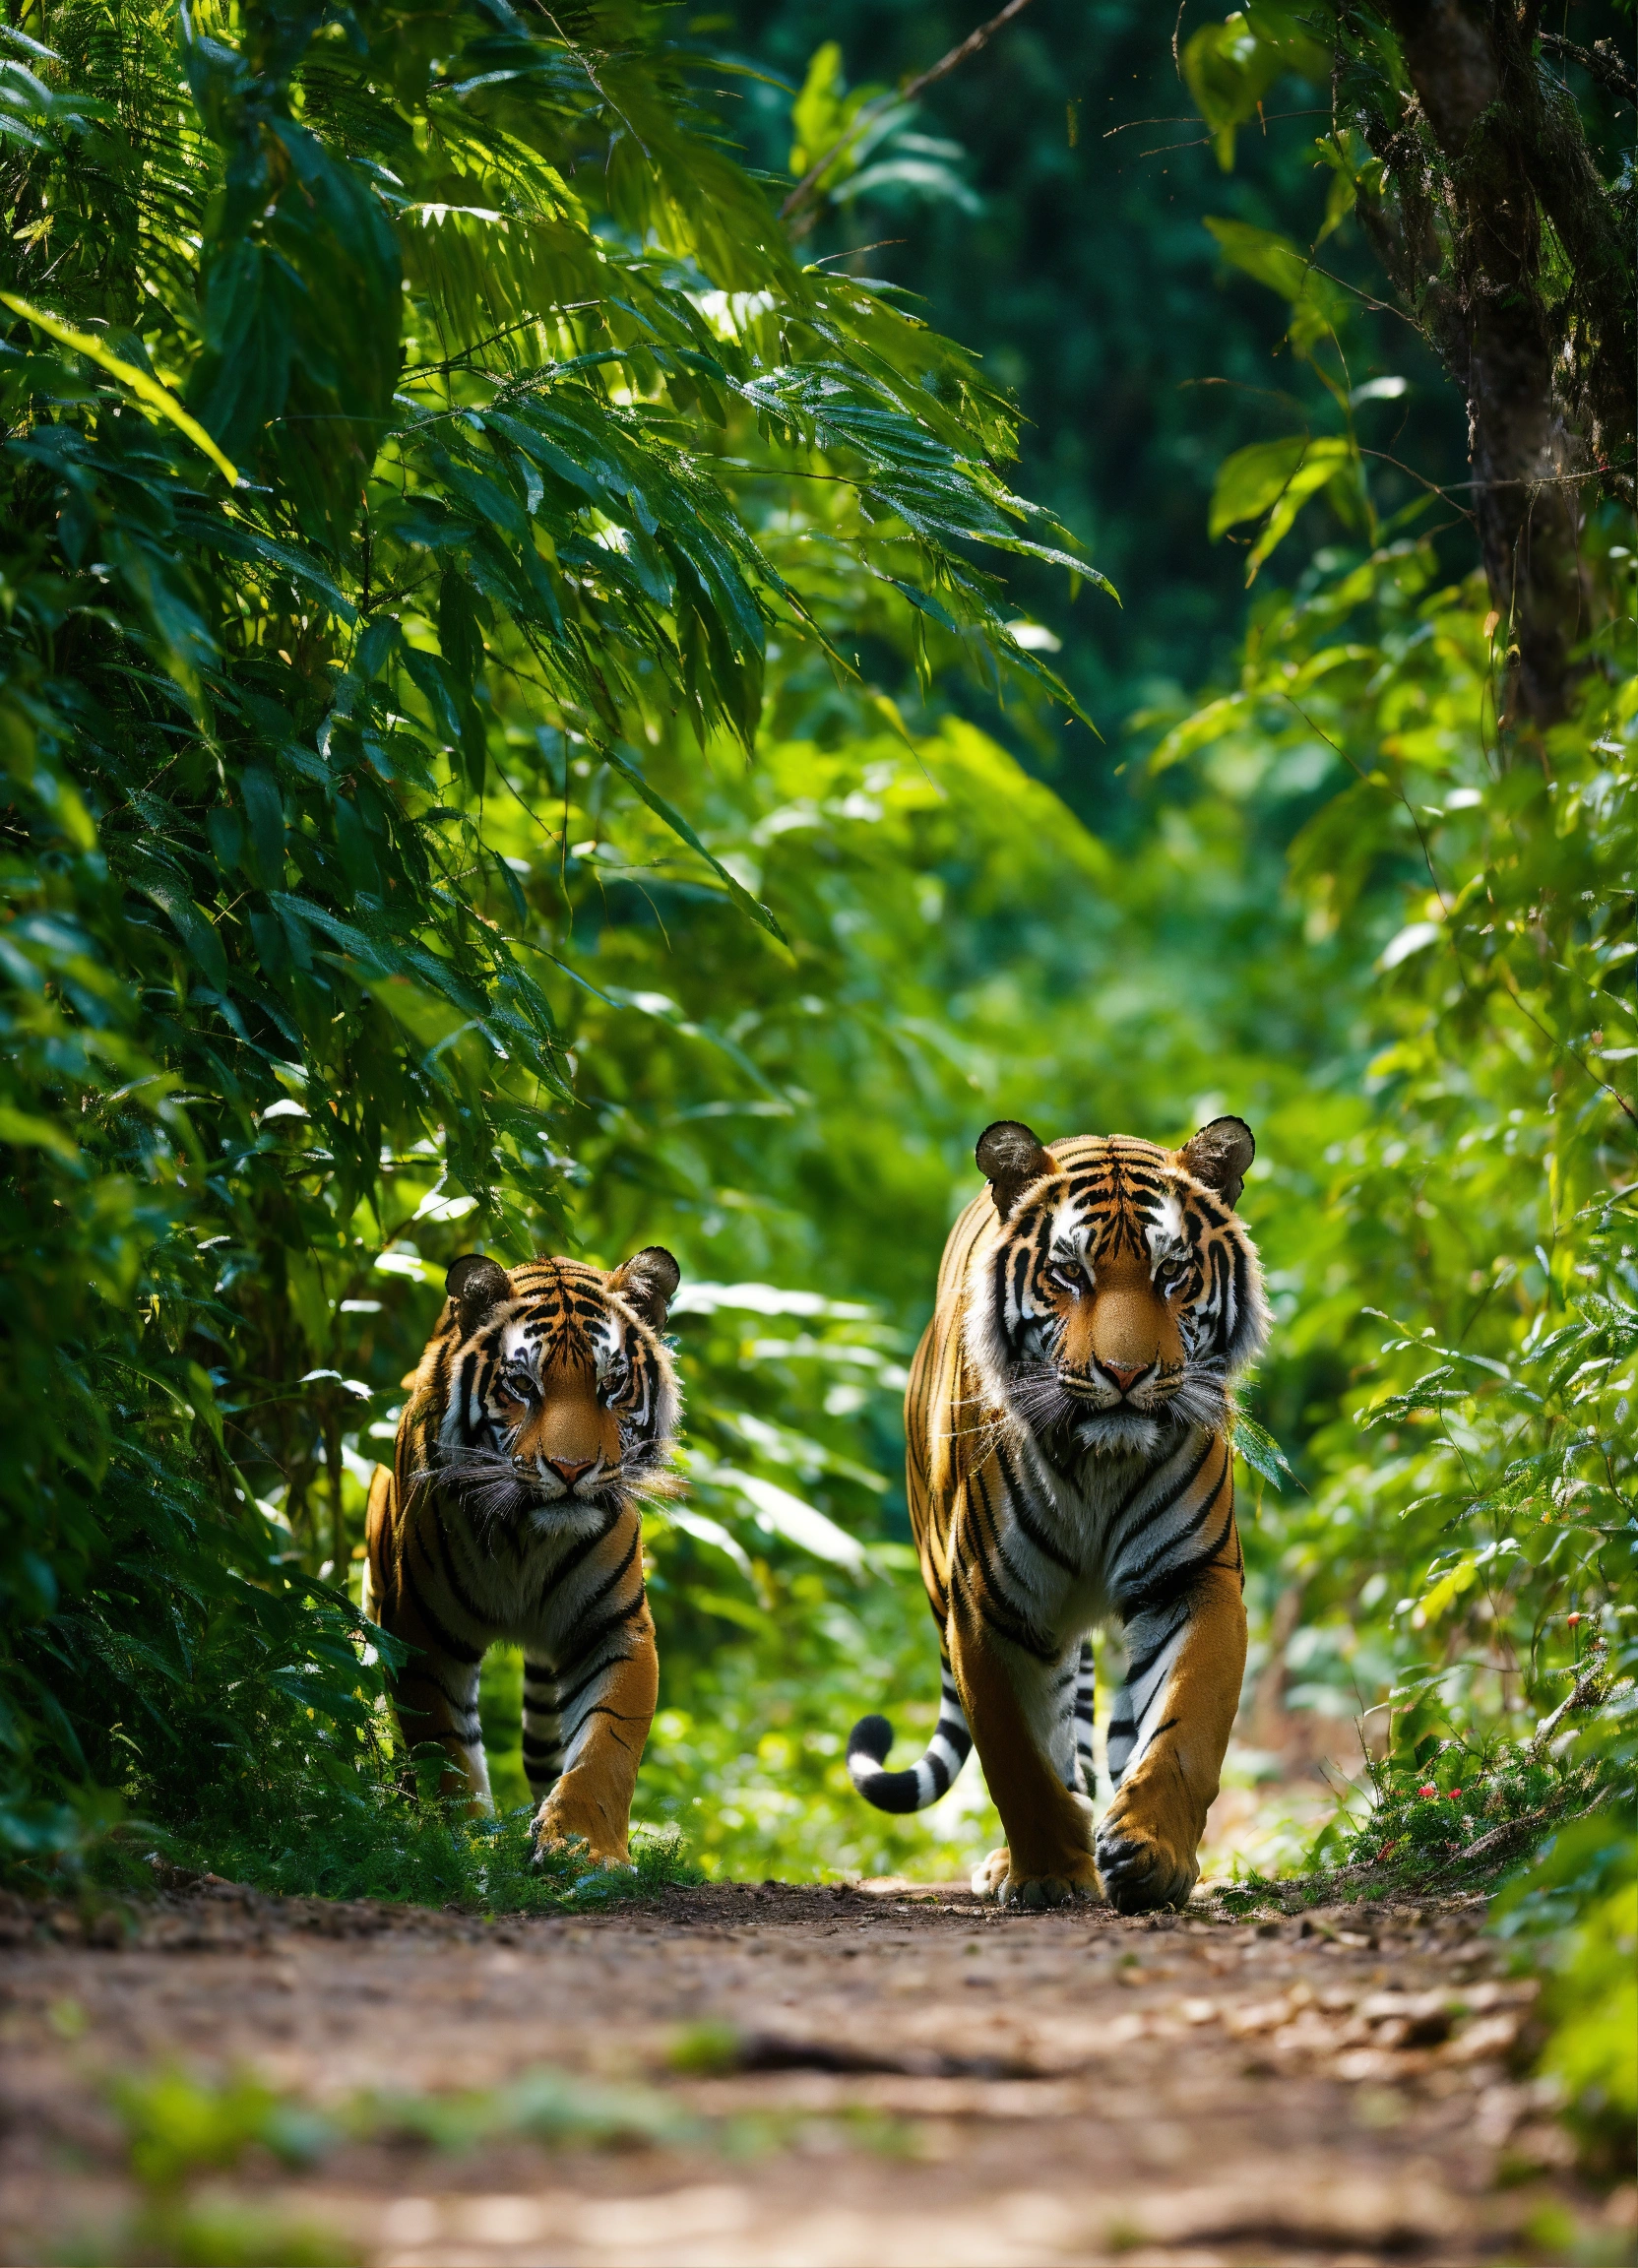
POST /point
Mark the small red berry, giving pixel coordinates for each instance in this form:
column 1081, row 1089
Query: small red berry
column 1429, row 1790
column 1454, row 1794
column 1572, row 1619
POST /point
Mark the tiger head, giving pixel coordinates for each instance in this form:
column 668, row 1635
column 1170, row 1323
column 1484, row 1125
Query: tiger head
column 1121, row 1294
column 552, row 1386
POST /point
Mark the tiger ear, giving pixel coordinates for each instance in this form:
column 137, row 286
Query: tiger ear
column 1220, row 1156
column 476, row 1284
column 647, row 1282
column 1010, row 1157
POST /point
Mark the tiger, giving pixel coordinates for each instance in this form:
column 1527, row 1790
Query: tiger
column 1069, row 1461
column 543, row 1413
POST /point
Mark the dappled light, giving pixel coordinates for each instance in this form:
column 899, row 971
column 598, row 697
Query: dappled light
column 673, row 646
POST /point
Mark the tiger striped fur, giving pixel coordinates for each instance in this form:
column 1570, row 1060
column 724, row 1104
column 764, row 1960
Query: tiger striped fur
column 544, row 1411
column 1069, row 1462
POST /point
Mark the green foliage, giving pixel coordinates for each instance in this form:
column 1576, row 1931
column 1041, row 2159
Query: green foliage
column 270, row 981
column 1141, row 357
column 1449, row 1809
column 365, row 907
column 1594, row 2051
column 1229, row 67
column 1489, row 1204
column 1581, row 1900
column 351, row 1835
column 185, row 2127
column 181, row 2127
column 1491, row 1198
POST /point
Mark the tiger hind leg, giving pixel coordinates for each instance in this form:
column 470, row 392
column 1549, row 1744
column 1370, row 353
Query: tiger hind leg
column 436, row 1702
column 1086, row 1715
column 542, row 1730
column 435, row 1693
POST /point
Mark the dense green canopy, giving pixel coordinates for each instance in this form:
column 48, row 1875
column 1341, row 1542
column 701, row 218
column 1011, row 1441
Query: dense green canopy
column 536, row 716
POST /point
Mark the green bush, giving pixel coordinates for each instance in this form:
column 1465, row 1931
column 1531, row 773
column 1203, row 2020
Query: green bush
column 300, row 605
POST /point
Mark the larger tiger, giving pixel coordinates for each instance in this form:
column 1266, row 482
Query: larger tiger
column 1069, row 1459
column 544, row 1411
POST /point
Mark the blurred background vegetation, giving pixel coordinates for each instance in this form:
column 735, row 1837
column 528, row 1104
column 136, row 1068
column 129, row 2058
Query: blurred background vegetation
column 552, row 760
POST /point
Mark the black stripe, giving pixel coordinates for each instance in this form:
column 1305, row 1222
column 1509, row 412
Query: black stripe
column 447, row 1642
column 1011, row 1627
column 1172, row 1584
column 996, row 1554
column 1166, row 1502
column 593, row 1635
column 583, row 1548
column 1138, row 1582
column 1016, row 1634
column 1019, row 1276
column 444, row 1564
column 1138, row 1669
column 601, row 1709
column 1032, row 1533
column 608, row 1585
column 590, row 1677
column 1138, row 1574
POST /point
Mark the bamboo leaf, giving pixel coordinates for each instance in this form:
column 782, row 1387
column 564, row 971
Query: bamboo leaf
column 673, row 818
column 147, row 390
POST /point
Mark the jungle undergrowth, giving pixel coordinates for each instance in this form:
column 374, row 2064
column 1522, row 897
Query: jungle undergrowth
column 368, row 1840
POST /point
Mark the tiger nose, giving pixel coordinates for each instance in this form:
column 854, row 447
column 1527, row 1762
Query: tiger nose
column 569, row 1470
column 1124, row 1379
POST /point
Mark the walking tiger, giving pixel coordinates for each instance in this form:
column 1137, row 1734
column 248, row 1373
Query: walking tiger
column 544, row 1411
column 1069, row 1461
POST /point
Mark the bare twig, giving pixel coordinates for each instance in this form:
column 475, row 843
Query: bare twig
column 1600, row 62
column 1588, row 1688
column 972, row 44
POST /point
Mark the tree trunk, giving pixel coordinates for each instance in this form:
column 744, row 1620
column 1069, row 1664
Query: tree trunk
column 1548, row 391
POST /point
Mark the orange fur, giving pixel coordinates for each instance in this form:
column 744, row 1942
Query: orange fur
column 1068, row 1464
column 543, row 1409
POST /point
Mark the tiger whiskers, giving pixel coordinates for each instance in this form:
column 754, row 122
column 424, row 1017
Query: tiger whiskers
column 1202, row 1398
column 990, row 1430
column 498, row 1493
column 1040, row 1398
column 649, row 1477
column 1068, row 1424
column 487, row 1482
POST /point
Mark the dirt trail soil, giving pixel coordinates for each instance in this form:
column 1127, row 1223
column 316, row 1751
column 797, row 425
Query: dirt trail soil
column 875, row 2075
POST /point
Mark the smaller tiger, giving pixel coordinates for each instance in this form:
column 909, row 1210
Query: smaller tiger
column 544, row 1411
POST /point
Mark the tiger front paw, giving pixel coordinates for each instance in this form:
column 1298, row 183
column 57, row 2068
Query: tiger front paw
column 559, row 1831
column 1070, row 1881
column 1140, row 1869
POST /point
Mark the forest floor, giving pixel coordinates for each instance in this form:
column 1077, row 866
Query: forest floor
column 882, row 2074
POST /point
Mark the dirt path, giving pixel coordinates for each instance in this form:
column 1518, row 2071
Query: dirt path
column 784, row 2075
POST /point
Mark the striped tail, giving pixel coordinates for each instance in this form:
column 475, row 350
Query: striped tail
column 926, row 1781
